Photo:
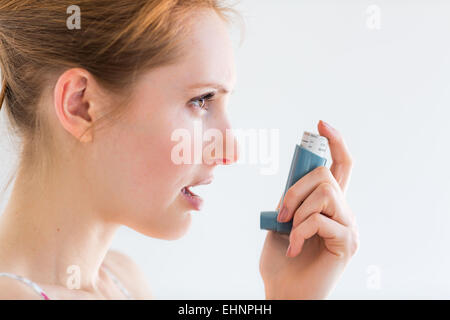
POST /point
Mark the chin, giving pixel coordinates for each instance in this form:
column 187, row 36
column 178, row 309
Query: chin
column 179, row 230
column 170, row 229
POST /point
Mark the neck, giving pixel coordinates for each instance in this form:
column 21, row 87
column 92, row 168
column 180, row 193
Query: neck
column 49, row 234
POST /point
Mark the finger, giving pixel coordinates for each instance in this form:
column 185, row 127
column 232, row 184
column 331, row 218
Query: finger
column 327, row 200
column 333, row 233
column 342, row 161
column 279, row 203
column 300, row 190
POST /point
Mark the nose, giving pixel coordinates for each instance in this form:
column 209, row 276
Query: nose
column 226, row 150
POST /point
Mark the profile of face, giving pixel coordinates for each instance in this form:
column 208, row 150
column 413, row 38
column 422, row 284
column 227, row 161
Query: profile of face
column 129, row 170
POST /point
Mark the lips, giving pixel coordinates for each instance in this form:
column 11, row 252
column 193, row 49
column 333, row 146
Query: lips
column 195, row 200
column 201, row 182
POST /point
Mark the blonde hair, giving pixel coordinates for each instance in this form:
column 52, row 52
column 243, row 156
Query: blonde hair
column 117, row 41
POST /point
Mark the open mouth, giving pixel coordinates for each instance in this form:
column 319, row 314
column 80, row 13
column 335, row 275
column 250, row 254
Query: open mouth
column 187, row 191
column 194, row 200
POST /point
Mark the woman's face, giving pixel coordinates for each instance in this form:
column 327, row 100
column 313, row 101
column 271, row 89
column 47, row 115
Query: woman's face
column 137, row 159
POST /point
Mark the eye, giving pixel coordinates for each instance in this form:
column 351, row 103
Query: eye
column 202, row 101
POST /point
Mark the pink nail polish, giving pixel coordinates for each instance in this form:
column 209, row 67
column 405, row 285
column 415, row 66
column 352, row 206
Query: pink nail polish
column 283, row 214
column 327, row 125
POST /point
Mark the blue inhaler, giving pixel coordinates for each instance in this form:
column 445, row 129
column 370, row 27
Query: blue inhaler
column 307, row 156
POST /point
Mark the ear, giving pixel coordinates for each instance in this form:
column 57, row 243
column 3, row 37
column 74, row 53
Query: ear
column 75, row 107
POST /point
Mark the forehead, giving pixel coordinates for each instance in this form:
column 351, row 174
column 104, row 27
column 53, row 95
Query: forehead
column 207, row 53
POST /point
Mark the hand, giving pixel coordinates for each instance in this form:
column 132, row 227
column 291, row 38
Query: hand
column 307, row 263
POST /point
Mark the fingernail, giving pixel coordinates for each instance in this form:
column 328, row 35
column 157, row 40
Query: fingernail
column 288, row 251
column 327, row 125
column 283, row 214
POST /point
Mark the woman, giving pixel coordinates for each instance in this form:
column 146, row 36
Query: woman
column 147, row 69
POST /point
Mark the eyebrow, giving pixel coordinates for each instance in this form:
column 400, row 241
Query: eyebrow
column 216, row 86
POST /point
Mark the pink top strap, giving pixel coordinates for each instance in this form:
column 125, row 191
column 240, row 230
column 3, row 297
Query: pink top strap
column 41, row 292
column 28, row 282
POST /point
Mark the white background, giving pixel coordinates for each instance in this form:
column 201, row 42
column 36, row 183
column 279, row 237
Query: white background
column 386, row 90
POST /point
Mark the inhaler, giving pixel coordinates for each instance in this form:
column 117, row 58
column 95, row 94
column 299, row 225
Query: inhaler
column 310, row 154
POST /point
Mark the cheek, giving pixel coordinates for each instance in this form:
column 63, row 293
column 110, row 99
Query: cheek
column 147, row 174
column 135, row 174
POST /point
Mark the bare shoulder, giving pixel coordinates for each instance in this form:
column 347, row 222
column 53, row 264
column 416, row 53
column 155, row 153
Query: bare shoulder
column 11, row 289
column 129, row 273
